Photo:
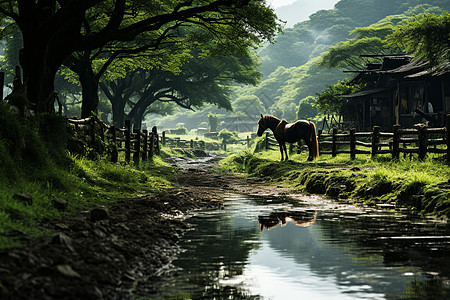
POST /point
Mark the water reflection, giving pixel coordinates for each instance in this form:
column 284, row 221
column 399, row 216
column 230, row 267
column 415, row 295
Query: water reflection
column 299, row 218
column 334, row 253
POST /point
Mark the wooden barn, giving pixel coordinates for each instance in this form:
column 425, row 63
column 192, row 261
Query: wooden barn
column 405, row 92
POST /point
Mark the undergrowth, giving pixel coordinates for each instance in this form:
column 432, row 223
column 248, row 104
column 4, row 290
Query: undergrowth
column 423, row 186
column 34, row 162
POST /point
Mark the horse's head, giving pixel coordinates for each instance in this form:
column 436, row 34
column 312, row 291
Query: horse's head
column 261, row 126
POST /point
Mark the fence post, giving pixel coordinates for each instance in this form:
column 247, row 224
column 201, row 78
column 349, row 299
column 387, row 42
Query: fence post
column 155, row 134
column 375, row 140
column 127, row 141
column 137, row 146
column 267, row 141
column 333, row 142
column 151, row 147
column 192, row 144
column 352, row 143
column 396, row 142
column 248, row 141
column 224, row 144
column 145, row 146
column 114, row 154
column 163, row 138
column 422, row 142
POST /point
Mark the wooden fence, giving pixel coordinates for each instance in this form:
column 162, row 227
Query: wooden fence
column 419, row 140
column 178, row 142
column 138, row 145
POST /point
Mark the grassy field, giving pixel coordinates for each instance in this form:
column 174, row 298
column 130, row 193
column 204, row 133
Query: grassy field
column 423, row 186
column 35, row 164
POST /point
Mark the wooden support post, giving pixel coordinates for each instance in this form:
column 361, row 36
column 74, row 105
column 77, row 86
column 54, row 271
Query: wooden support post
column 375, row 140
column 352, row 143
column 319, row 135
column 192, row 144
column 248, row 141
column 333, row 140
column 127, row 141
column 114, row 153
column 396, row 143
column 145, row 145
column 151, row 147
column 137, row 146
column 422, row 142
column 156, row 137
column 163, row 138
column 267, row 141
column 448, row 137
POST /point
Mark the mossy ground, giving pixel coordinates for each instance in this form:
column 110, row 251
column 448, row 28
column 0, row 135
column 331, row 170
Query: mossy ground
column 423, row 186
column 34, row 161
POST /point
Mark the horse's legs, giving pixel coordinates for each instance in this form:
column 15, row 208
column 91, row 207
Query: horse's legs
column 310, row 148
column 285, row 151
column 281, row 150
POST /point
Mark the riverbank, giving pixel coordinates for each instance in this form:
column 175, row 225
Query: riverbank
column 120, row 249
column 422, row 187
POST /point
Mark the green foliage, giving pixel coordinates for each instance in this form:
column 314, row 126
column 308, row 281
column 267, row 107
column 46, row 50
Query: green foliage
column 307, row 108
column 228, row 136
column 427, row 36
column 213, row 122
column 329, row 101
column 421, row 186
column 248, row 105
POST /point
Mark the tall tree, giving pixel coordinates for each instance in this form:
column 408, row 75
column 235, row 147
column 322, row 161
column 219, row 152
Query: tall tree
column 53, row 29
column 205, row 78
column 426, row 36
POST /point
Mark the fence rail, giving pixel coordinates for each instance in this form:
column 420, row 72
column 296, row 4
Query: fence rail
column 138, row 145
column 178, row 142
column 419, row 140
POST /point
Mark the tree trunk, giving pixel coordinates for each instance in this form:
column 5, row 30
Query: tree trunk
column 89, row 89
column 136, row 117
column 39, row 70
column 115, row 94
column 118, row 112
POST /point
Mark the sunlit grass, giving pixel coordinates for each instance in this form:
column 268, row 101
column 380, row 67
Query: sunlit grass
column 422, row 185
column 84, row 184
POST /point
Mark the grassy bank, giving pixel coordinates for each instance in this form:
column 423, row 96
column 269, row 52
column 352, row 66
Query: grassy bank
column 36, row 169
column 422, row 186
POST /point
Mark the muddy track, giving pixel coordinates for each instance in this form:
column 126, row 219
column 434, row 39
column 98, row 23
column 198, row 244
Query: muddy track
column 117, row 252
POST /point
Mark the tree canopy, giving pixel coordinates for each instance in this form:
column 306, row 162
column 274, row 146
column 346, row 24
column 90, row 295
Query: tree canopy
column 52, row 30
column 426, row 36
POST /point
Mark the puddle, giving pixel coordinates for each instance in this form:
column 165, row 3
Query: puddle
column 273, row 248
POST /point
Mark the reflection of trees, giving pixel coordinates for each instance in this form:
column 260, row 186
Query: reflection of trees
column 216, row 250
column 351, row 249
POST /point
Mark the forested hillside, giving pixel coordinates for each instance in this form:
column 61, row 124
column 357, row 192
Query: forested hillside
column 290, row 65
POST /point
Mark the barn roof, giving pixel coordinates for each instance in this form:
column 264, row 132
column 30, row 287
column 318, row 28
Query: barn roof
column 365, row 93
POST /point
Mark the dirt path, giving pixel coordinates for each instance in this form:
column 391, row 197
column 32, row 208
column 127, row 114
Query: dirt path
column 119, row 252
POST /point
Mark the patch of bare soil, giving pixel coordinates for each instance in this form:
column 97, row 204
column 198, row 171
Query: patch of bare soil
column 117, row 252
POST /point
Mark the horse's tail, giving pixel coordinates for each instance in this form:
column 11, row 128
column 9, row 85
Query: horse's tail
column 314, row 141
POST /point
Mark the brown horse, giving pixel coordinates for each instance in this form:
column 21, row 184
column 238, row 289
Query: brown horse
column 291, row 133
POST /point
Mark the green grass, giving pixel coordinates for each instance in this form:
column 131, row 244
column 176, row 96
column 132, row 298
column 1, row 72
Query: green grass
column 423, row 186
column 84, row 184
column 34, row 161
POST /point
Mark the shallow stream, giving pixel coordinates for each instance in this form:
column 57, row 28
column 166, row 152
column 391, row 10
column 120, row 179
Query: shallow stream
column 269, row 247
